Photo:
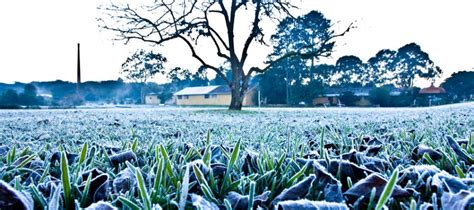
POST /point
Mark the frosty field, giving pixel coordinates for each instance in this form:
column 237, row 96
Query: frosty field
column 170, row 158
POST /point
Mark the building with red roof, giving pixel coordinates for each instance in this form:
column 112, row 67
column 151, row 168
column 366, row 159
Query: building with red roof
column 432, row 90
column 433, row 95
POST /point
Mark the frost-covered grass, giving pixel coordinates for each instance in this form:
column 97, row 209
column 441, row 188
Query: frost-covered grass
column 216, row 158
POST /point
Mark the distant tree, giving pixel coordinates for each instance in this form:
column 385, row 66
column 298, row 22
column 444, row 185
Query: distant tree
column 185, row 78
column 218, row 80
column 323, row 73
column 411, row 62
column 460, row 84
column 306, row 92
column 379, row 67
column 348, row 98
column 9, row 97
column 29, row 96
column 273, row 84
column 194, row 20
column 380, row 96
column 311, row 32
column 351, row 71
column 142, row 66
column 278, row 83
column 308, row 33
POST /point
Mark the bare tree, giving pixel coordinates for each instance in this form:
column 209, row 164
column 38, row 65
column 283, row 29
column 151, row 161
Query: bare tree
column 189, row 21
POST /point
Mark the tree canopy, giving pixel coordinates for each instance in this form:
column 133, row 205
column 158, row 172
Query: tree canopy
column 460, row 84
column 191, row 21
column 411, row 62
column 143, row 65
column 350, row 70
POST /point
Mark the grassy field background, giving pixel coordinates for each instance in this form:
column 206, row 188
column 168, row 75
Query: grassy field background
column 217, row 158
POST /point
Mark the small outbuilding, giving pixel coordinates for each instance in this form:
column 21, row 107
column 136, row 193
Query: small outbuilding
column 152, row 99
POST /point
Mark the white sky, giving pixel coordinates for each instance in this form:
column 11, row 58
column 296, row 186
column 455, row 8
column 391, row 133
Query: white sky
column 38, row 38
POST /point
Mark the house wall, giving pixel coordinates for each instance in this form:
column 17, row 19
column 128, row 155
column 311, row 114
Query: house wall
column 321, row 101
column 251, row 98
column 363, row 102
column 219, row 100
column 152, row 100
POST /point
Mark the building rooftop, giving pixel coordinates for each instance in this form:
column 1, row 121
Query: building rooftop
column 152, row 94
column 358, row 91
column 200, row 90
column 432, row 90
column 339, row 91
column 203, row 90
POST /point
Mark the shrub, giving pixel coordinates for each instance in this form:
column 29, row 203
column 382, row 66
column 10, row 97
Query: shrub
column 380, row 96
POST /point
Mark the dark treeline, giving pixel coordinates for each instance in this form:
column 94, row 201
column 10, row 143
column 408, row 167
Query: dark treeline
column 301, row 79
column 273, row 86
column 65, row 94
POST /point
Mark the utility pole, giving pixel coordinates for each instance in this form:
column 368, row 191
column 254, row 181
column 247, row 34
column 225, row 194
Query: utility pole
column 259, row 98
column 78, row 68
column 287, row 91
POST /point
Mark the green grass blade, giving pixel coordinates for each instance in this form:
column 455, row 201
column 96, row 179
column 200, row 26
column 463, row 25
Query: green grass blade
column 227, row 204
column 230, row 166
column 207, row 156
column 134, row 145
column 371, row 199
column 142, row 189
column 128, row 203
column 412, row 204
column 234, row 156
column 86, row 191
column 166, row 158
column 203, row 183
column 184, row 189
column 321, row 145
column 251, row 195
column 26, row 161
column 158, row 177
column 297, row 175
column 45, row 173
column 460, row 172
column 428, row 159
column 83, row 156
column 38, row 197
column 65, row 180
column 387, row 191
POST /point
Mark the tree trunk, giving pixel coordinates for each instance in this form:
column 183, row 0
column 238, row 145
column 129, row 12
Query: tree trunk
column 238, row 86
column 142, row 93
column 236, row 100
column 238, row 90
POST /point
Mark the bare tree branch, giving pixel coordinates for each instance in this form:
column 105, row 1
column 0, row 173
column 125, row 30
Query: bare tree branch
column 253, row 34
column 204, row 64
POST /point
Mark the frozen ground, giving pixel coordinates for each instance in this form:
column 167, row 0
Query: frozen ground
column 157, row 124
column 338, row 155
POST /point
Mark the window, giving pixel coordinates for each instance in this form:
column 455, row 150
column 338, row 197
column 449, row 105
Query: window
column 186, row 97
column 180, row 97
column 206, row 96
